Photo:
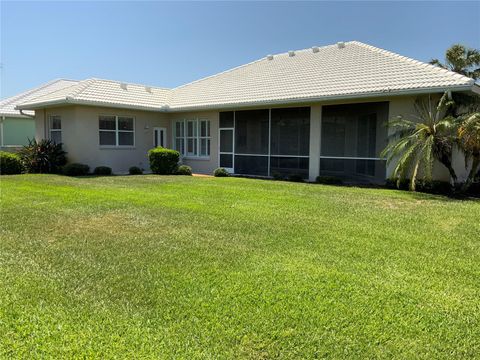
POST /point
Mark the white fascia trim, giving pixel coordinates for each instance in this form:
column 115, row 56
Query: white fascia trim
column 166, row 108
column 476, row 89
column 33, row 106
column 322, row 98
column 14, row 115
column 67, row 101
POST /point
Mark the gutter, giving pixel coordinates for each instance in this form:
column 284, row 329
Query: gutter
column 167, row 109
column 324, row 98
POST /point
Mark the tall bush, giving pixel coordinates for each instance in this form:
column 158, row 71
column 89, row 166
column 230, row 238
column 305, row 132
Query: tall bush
column 43, row 156
column 163, row 161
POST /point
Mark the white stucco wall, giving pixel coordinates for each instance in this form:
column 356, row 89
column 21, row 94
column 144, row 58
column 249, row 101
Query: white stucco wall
column 80, row 135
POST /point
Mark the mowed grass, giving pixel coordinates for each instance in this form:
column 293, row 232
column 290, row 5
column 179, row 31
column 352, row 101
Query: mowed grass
column 189, row 267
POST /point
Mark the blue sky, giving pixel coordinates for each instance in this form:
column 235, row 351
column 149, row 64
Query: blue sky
column 169, row 44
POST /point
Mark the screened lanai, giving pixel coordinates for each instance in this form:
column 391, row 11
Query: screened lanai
column 267, row 142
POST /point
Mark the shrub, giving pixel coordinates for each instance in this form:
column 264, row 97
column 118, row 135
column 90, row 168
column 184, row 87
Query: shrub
column 426, row 186
column 135, row 170
column 277, row 176
column 163, row 161
column 75, row 169
column 329, row 180
column 220, row 172
column 102, row 170
column 295, row 178
column 434, row 187
column 183, row 170
column 474, row 189
column 43, row 156
column 10, row 163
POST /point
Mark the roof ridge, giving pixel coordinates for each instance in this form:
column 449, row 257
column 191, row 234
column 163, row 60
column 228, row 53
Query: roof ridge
column 13, row 98
column 131, row 83
column 411, row 60
column 220, row 73
column 307, row 49
column 81, row 86
column 244, row 65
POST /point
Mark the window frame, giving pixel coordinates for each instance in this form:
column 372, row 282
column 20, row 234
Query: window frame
column 117, row 131
column 51, row 129
column 194, row 137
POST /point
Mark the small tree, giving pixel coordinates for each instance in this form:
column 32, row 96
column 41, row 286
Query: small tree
column 468, row 133
column 417, row 142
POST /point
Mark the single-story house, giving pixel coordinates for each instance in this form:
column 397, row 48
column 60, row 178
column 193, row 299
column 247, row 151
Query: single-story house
column 16, row 127
column 317, row 111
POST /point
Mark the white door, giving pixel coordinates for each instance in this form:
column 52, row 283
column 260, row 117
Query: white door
column 159, row 137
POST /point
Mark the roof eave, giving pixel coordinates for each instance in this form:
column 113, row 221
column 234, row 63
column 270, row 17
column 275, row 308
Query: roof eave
column 39, row 105
column 67, row 101
column 324, row 98
column 13, row 115
column 476, row 89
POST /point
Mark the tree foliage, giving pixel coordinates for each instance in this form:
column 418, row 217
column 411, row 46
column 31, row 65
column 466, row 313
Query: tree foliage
column 462, row 60
column 417, row 141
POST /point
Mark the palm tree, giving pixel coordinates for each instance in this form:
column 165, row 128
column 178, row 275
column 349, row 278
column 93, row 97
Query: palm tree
column 462, row 60
column 469, row 141
column 417, row 142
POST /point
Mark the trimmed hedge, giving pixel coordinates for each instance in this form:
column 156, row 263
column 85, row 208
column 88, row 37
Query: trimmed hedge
column 10, row 163
column 102, row 170
column 220, row 172
column 295, row 178
column 135, row 170
column 76, row 169
column 163, row 161
column 329, row 180
column 184, row 170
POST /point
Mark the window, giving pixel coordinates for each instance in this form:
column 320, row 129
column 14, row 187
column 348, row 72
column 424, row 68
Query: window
column 204, row 138
column 116, row 130
column 55, row 125
column 192, row 137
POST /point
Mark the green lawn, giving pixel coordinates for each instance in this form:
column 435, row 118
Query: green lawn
column 189, row 267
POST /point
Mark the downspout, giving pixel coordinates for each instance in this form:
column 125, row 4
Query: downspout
column 30, row 116
column 1, row 131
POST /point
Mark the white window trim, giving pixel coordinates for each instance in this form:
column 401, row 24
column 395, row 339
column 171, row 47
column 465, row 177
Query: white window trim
column 208, row 138
column 116, row 131
column 50, row 130
column 197, row 137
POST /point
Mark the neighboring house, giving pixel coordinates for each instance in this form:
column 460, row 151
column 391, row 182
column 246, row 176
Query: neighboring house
column 315, row 111
column 16, row 127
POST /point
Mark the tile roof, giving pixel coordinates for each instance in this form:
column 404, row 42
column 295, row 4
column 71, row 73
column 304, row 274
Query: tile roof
column 108, row 93
column 345, row 70
column 328, row 72
column 7, row 106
